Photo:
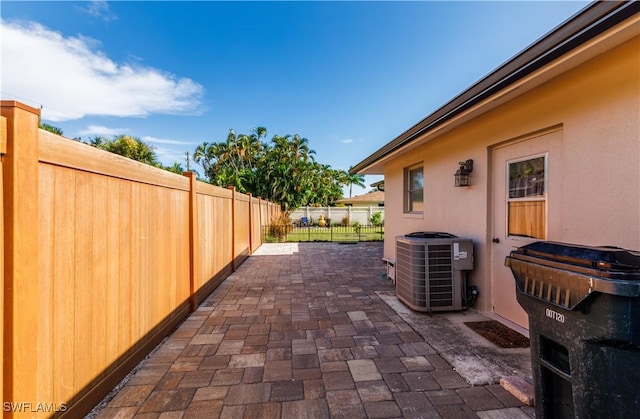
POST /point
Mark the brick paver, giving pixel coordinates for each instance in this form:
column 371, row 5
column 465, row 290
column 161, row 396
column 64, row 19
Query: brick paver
column 299, row 331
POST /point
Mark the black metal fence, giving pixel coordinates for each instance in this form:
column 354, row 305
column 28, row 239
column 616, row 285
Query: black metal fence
column 323, row 234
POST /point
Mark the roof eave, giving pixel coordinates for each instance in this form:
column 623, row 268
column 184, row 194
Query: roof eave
column 585, row 25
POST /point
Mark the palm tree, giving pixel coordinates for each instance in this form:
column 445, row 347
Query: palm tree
column 283, row 170
column 354, row 179
column 200, row 156
column 250, row 146
column 175, row 168
column 286, row 174
column 232, row 162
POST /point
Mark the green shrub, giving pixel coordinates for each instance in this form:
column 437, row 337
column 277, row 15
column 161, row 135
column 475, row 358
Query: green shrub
column 279, row 227
column 376, row 219
column 357, row 227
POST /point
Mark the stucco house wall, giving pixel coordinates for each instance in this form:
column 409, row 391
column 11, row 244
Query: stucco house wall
column 585, row 116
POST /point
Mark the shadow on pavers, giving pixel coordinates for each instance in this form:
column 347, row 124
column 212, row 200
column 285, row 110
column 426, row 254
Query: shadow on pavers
column 476, row 359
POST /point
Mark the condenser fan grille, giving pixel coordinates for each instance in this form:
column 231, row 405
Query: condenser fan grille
column 410, row 273
column 439, row 275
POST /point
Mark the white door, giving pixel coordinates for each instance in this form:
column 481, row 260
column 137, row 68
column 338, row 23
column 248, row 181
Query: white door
column 526, row 186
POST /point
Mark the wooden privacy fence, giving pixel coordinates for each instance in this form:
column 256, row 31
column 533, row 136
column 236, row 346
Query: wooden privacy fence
column 102, row 257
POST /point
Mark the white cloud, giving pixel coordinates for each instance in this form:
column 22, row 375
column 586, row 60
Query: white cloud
column 100, row 10
column 169, row 151
column 347, row 141
column 100, row 130
column 148, row 139
column 71, row 78
column 168, row 156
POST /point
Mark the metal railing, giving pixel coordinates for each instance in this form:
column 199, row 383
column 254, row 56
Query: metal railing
column 323, row 234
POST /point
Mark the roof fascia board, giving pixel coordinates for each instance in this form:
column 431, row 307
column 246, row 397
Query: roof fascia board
column 577, row 30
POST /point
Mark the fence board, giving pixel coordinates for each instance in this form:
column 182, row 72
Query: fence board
column 63, row 258
column 46, row 223
column 100, row 280
column 214, row 238
column 255, row 225
column 222, row 230
column 3, row 135
column 125, row 292
column 112, row 259
column 241, row 228
column 82, row 281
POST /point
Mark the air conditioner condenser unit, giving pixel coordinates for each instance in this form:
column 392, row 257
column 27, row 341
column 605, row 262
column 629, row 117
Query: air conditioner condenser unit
column 431, row 270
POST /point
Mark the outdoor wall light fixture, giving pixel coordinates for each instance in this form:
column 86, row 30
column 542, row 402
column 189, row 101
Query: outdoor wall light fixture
column 463, row 175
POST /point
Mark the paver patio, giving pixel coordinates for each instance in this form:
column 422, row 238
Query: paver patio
column 299, row 332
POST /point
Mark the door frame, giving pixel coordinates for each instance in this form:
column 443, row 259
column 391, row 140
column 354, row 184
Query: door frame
column 494, row 252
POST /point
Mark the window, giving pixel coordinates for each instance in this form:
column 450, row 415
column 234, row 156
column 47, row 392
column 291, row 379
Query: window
column 413, row 189
column 526, row 203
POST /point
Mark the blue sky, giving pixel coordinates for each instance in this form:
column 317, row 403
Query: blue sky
column 349, row 76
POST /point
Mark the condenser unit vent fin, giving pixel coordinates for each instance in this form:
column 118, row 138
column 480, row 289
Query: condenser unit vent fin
column 439, row 275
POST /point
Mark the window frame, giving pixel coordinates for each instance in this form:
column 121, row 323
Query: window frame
column 408, row 192
column 540, row 198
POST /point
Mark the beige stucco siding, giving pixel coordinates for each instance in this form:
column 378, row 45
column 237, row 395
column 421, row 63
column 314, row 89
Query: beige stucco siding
column 596, row 177
column 602, row 142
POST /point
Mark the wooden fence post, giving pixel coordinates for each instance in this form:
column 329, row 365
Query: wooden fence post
column 193, row 238
column 21, row 340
